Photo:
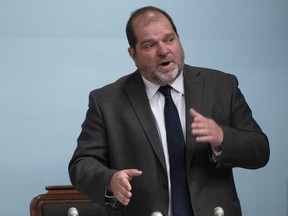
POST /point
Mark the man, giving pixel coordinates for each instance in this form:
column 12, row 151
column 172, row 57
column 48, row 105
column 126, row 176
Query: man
column 123, row 153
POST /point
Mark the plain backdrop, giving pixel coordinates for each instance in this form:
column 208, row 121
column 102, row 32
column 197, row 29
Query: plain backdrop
column 53, row 53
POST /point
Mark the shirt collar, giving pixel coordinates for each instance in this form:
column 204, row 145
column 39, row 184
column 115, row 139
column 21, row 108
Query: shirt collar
column 152, row 88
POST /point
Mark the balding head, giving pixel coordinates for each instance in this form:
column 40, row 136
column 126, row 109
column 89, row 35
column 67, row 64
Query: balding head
column 144, row 16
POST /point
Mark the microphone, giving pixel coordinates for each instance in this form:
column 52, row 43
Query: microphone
column 218, row 211
column 156, row 213
column 73, row 211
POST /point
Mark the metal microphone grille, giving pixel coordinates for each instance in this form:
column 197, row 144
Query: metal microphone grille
column 156, row 213
column 218, row 211
column 73, row 211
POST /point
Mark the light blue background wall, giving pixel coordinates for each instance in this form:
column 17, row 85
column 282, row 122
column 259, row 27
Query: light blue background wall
column 52, row 53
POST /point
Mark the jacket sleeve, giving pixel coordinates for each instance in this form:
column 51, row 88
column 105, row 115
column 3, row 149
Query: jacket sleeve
column 244, row 144
column 89, row 167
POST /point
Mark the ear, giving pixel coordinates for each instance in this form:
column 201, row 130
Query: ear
column 132, row 53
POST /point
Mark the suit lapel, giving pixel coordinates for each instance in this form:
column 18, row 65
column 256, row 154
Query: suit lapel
column 193, row 86
column 137, row 95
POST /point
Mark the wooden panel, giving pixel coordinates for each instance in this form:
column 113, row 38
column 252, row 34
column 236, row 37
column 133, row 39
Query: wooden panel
column 59, row 199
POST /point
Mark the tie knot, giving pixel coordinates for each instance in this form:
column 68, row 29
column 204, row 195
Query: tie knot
column 165, row 90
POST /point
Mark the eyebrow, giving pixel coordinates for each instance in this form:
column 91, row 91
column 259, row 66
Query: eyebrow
column 152, row 40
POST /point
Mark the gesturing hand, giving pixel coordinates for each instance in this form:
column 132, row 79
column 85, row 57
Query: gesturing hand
column 120, row 184
column 206, row 130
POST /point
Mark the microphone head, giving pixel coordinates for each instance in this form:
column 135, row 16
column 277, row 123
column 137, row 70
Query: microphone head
column 218, row 211
column 156, row 213
column 73, row 211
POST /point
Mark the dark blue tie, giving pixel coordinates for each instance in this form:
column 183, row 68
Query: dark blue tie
column 181, row 205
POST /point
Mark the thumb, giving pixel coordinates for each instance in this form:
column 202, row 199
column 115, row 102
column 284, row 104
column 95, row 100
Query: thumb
column 193, row 113
column 133, row 172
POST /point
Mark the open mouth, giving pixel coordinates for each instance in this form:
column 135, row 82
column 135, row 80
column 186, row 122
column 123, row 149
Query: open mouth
column 165, row 63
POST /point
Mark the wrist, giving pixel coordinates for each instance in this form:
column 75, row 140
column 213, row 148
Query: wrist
column 217, row 149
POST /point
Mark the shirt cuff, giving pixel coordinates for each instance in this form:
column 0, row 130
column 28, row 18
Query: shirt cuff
column 111, row 200
column 215, row 155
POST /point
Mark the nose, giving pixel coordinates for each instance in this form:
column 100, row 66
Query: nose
column 162, row 49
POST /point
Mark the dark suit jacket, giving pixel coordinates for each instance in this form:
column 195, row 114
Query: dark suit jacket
column 119, row 132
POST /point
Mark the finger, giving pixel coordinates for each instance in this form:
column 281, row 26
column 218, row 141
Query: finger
column 204, row 139
column 122, row 194
column 198, row 125
column 124, row 182
column 200, row 131
column 124, row 197
column 123, row 200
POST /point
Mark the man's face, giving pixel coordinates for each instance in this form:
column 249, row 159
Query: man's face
column 158, row 54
